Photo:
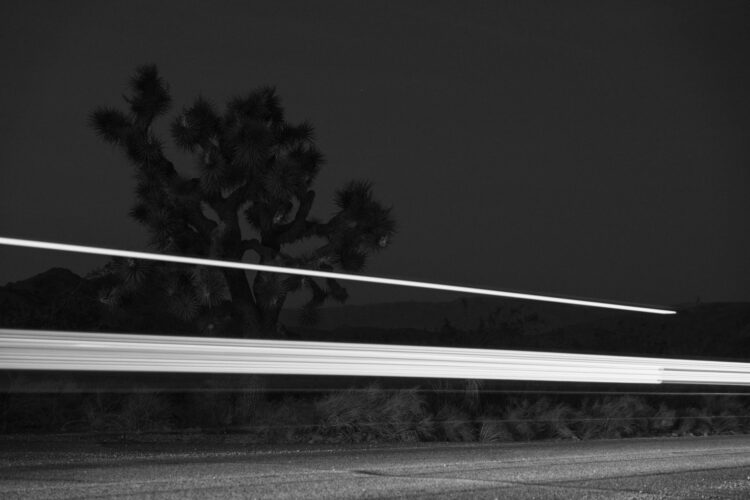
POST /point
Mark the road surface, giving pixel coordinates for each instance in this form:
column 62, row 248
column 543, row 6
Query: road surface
column 712, row 467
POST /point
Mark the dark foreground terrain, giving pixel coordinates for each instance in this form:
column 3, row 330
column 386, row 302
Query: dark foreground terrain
column 709, row 467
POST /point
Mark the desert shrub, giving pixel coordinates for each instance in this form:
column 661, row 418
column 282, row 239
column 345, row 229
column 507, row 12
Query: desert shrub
column 714, row 415
column 100, row 413
column 245, row 401
column 32, row 412
column 556, row 421
column 743, row 415
column 524, row 420
column 729, row 415
column 663, row 420
column 143, row 412
column 695, row 422
column 472, row 390
column 45, row 405
column 726, row 422
column 536, row 413
column 461, row 393
column 451, row 412
column 614, row 417
column 492, row 429
column 375, row 414
column 288, row 420
column 406, row 414
column 214, row 407
column 114, row 412
column 454, row 424
column 205, row 410
column 518, row 418
column 244, row 406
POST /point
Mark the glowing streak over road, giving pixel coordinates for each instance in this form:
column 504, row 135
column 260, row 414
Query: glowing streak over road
column 44, row 245
column 54, row 350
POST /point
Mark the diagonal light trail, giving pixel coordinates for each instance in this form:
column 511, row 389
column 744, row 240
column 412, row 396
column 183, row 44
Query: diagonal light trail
column 80, row 351
column 46, row 245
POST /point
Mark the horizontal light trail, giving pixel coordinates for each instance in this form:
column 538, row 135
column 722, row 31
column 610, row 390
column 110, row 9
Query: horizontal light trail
column 74, row 351
column 45, row 245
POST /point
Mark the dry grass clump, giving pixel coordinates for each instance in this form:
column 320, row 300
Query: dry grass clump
column 714, row 415
column 525, row 420
column 557, row 420
column 663, row 420
column 493, row 430
column 374, row 414
column 456, row 411
column 144, row 412
column 614, row 417
column 289, row 420
column 454, row 424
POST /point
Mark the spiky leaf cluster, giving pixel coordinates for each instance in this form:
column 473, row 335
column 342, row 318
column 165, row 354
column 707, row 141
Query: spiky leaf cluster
column 186, row 292
column 362, row 225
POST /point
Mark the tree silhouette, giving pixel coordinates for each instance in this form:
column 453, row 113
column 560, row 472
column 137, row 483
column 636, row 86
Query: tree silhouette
column 255, row 171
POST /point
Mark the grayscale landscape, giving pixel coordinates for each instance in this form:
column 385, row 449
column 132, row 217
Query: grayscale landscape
column 375, row 249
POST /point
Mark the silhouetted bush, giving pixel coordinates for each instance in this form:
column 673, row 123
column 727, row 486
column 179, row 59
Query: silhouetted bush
column 372, row 414
column 663, row 420
column 494, row 430
column 455, row 424
column 144, row 411
column 290, row 420
column 614, row 417
column 556, row 421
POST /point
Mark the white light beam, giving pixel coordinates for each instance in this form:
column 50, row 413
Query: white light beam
column 45, row 245
column 115, row 352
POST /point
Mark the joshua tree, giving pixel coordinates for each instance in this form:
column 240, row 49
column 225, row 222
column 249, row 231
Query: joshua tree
column 254, row 169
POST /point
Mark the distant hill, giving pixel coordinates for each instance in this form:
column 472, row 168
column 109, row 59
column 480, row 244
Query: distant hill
column 468, row 313
column 715, row 330
column 708, row 331
column 59, row 298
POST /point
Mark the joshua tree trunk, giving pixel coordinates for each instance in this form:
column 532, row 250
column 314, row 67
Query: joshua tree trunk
column 247, row 314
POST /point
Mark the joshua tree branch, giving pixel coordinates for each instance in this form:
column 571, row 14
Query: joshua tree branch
column 296, row 229
column 255, row 245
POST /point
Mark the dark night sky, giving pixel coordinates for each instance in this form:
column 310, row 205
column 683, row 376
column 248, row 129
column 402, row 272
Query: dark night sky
column 596, row 149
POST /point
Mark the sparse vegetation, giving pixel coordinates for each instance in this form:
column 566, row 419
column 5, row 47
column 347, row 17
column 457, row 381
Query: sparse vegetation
column 374, row 414
column 442, row 410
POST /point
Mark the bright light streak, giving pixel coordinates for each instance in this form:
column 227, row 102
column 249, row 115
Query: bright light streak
column 73, row 351
column 320, row 274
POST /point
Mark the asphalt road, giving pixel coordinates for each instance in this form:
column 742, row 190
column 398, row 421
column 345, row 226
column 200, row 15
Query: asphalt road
column 712, row 467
